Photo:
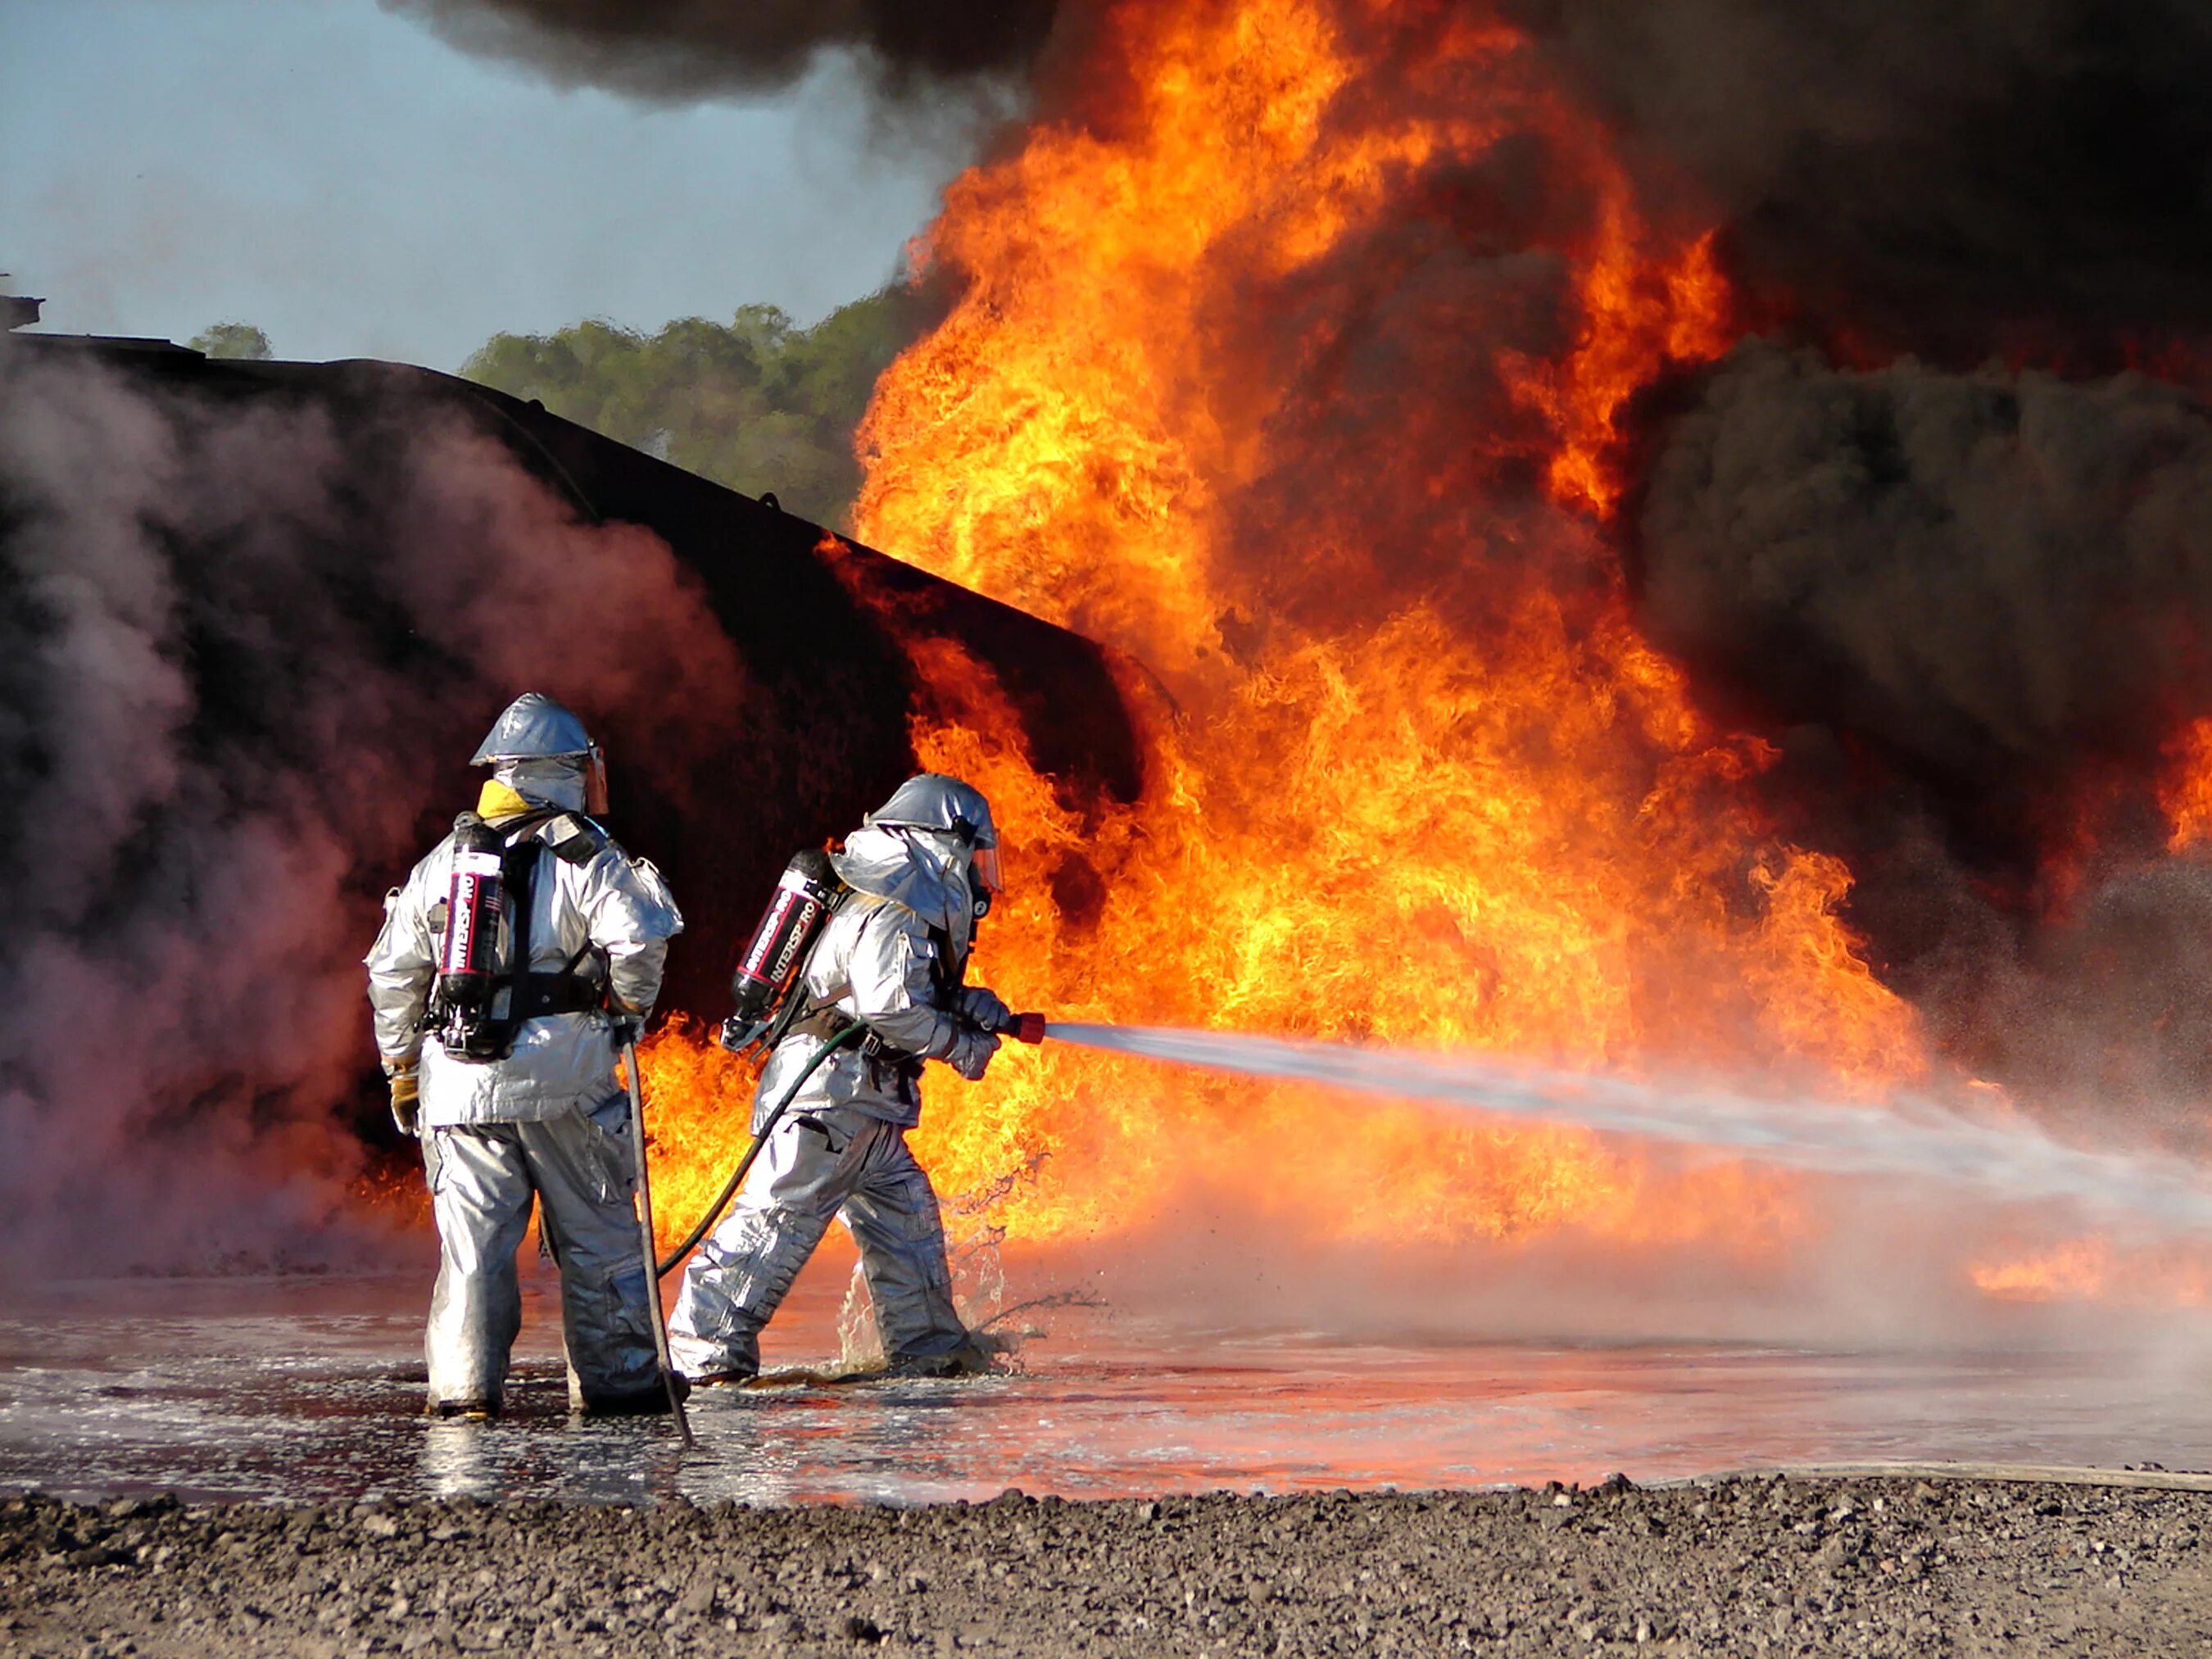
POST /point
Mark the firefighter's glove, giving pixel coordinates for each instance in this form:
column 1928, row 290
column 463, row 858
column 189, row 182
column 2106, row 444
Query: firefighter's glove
column 972, row 1051
column 981, row 1006
column 405, row 1091
column 625, row 1025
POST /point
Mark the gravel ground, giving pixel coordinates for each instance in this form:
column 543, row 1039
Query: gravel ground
column 1892, row 1566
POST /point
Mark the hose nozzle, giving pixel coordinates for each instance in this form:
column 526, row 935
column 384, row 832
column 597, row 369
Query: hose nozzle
column 738, row 1033
column 1023, row 1028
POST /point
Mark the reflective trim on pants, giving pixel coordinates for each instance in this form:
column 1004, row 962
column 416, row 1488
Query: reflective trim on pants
column 581, row 1168
column 815, row 1165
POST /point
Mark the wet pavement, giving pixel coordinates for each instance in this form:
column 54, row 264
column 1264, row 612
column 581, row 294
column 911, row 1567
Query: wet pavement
column 306, row 1389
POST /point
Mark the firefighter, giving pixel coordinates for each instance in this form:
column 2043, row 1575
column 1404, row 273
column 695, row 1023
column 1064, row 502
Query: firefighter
column 511, row 1087
column 922, row 870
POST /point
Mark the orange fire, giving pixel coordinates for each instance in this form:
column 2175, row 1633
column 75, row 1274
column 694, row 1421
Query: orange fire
column 2093, row 1269
column 2185, row 791
column 1413, row 776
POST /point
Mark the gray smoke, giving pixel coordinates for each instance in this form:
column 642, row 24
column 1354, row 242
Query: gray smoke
column 2107, row 1011
column 244, row 659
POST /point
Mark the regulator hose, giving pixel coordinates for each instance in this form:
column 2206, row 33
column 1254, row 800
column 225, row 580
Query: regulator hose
column 674, row 1258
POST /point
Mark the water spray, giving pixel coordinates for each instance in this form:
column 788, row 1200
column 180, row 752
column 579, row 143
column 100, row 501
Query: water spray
column 1903, row 1136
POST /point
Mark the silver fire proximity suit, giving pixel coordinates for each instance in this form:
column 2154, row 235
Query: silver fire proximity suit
column 891, row 956
column 548, row 1119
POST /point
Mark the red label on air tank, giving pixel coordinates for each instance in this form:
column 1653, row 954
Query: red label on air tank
column 770, row 935
column 475, row 891
column 800, row 930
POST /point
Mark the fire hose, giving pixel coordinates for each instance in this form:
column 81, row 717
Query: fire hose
column 669, row 1263
column 1024, row 1028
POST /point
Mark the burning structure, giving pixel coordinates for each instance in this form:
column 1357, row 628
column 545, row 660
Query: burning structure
column 1663, row 540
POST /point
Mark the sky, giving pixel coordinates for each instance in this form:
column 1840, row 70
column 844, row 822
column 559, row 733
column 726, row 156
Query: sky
column 337, row 176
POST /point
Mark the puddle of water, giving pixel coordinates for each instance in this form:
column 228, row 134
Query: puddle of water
column 305, row 1390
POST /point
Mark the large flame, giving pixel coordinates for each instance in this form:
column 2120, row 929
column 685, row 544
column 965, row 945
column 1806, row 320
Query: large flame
column 1413, row 776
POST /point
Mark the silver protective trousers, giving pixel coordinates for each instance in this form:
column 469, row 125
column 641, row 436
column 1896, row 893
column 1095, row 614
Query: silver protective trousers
column 817, row 1166
column 580, row 1169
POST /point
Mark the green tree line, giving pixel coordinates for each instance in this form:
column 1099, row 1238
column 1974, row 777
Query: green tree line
column 756, row 403
column 240, row 340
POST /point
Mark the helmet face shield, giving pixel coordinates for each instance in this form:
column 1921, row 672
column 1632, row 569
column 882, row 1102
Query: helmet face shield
column 985, row 862
column 595, row 781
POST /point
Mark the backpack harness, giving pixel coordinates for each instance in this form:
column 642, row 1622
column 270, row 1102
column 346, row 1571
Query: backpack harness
column 478, row 1013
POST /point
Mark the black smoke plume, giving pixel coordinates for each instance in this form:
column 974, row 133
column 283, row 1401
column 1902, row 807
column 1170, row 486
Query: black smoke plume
column 1938, row 178
column 1973, row 607
column 668, row 50
column 1996, row 575
column 2034, row 174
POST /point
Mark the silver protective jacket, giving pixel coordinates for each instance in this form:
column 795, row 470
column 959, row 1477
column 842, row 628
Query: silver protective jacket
column 893, row 957
column 611, row 913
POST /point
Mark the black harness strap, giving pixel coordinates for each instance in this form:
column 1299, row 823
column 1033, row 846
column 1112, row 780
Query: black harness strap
column 518, row 872
column 563, row 993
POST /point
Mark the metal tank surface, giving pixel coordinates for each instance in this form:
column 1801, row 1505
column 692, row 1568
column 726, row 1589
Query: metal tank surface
column 836, row 644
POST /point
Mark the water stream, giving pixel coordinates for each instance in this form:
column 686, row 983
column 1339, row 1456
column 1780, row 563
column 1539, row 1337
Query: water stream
column 1908, row 1137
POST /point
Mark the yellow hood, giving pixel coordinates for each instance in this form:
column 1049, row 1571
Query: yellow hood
column 497, row 801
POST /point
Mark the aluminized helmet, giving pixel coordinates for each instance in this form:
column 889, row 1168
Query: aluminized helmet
column 534, row 728
column 930, row 800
